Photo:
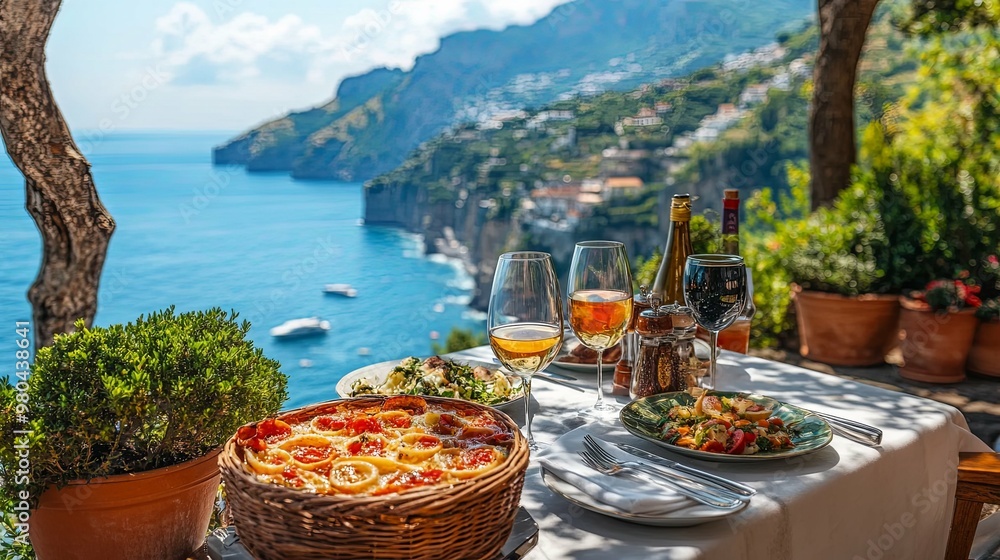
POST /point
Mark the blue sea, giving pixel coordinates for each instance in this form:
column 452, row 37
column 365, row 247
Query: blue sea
column 195, row 236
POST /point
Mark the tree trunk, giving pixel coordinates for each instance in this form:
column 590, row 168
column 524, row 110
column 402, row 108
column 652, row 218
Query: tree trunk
column 832, row 150
column 60, row 192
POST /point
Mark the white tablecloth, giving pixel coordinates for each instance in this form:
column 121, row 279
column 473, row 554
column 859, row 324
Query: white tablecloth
column 846, row 501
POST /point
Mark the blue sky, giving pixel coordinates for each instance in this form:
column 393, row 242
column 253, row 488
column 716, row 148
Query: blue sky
column 228, row 64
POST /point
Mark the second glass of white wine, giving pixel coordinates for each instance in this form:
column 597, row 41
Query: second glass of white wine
column 525, row 319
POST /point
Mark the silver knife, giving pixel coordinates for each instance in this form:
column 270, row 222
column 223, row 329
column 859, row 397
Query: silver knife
column 731, row 485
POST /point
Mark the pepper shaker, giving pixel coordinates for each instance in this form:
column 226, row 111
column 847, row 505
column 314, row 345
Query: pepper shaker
column 653, row 327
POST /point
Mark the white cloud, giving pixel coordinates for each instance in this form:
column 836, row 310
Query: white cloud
column 230, row 72
column 199, row 51
column 520, row 11
column 250, row 47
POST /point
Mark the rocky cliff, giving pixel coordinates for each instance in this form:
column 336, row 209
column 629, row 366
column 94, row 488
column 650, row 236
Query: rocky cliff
column 467, row 232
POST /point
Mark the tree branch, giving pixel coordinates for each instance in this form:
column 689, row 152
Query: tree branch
column 832, row 151
column 59, row 189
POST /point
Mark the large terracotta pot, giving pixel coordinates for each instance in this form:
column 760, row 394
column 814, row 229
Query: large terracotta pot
column 984, row 357
column 161, row 514
column 845, row 331
column 934, row 346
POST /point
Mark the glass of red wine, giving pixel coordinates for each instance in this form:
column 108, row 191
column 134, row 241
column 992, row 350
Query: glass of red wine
column 715, row 288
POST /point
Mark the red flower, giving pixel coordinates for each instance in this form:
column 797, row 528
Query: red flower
column 992, row 259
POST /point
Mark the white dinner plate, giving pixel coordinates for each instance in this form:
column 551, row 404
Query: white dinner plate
column 696, row 514
column 376, row 374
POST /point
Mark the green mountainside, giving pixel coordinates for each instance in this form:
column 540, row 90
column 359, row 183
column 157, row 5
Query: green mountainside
column 582, row 47
column 480, row 189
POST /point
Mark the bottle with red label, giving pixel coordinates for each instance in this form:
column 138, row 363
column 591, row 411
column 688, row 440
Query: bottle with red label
column 737, row 336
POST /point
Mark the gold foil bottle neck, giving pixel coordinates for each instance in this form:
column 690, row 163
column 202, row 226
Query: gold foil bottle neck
column 680, row 208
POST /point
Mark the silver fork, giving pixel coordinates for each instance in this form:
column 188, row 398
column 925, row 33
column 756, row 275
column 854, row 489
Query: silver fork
column 722, row 494
column 615, row 468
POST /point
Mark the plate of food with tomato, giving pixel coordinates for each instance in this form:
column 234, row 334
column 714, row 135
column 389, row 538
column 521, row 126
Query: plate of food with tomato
column 726, row 426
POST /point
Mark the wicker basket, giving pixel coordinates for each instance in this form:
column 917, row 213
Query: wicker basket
column 468, row 520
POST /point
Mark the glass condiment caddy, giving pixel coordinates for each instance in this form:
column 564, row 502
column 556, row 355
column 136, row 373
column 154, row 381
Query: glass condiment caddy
column 665, row 357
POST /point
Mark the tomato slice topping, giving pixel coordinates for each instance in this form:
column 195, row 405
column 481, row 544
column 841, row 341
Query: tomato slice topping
column 311, row 454
column 427, row 442
column 399, row 421
column 257, row 436
column 364, row 425
column 273, row 430
column 331, row 423
column 736, row 443
column 476, row 457
column 404, row 480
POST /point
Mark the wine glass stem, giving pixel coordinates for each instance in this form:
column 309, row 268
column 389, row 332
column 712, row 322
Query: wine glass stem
column 526, row 381
column 713, row 343
column 600, row 379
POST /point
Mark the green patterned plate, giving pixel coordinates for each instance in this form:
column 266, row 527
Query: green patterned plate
column 810, row 433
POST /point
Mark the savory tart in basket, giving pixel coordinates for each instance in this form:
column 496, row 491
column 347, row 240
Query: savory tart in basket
column 373, row 447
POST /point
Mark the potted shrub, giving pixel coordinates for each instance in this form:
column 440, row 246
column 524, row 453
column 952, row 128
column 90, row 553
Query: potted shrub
column 851, row 261
column 122, row 432
column 844, row 315
column 936, row 330
column 984, row 357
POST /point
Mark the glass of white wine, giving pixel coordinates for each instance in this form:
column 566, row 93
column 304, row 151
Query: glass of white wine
column 525, row 318
column 600, row 306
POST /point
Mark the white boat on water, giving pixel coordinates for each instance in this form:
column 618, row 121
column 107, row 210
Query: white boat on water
column 345, row 290
column 307, row 326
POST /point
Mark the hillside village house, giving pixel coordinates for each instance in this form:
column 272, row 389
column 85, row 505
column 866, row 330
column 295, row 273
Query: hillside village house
column 560, row 207
column 618, row 187
column 645, row 117
column 713, row 125
column 754, row 94
column 539, row 120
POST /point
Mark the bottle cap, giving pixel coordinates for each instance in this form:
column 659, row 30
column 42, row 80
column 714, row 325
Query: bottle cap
column 731, row 201
column 680, row 208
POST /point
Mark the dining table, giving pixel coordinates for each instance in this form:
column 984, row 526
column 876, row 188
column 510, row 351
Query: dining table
column 845, row 500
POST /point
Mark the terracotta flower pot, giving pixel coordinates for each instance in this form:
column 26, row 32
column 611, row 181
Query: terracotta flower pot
column 843, row 330
column 984, row 357
column 934, row 346
column 162, row 514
